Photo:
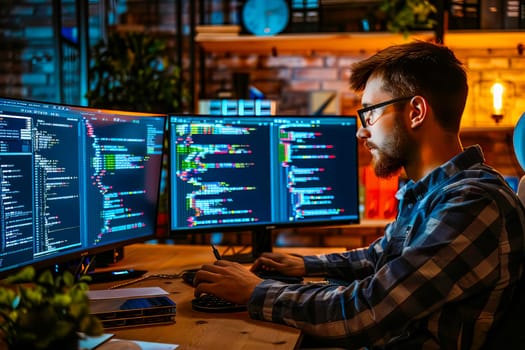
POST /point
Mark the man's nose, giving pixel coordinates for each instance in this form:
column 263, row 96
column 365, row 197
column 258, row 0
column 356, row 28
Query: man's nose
column 362, row 133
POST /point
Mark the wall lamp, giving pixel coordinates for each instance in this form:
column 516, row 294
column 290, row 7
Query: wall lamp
column 494, row 98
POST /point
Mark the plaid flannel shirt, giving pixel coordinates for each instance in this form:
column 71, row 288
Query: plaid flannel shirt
column 441, row 274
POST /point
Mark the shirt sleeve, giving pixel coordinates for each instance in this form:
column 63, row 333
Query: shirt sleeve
column 452, row 253
column 350, row 265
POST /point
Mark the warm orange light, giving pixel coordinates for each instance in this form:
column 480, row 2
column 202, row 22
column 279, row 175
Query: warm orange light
column 497, row 91
column 494, row 99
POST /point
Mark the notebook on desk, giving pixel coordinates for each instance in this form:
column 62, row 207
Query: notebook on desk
column 93, row 342
column 107, row 342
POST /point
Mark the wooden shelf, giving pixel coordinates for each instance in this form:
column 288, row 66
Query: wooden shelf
column 305, row 42
column 480, row 39
column 334, row 42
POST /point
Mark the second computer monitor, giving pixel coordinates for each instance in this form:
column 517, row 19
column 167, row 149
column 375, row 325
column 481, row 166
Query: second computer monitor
column 242, row 173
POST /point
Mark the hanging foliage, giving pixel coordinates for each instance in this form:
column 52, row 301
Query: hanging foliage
column 135, row 71
column 404, row 16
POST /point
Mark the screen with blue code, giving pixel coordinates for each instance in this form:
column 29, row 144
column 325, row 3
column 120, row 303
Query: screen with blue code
column 232, row 173
column 74, row 181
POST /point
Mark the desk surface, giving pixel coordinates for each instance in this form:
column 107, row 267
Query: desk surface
column 192, row 329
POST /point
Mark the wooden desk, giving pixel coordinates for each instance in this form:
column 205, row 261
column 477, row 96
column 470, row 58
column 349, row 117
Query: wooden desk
column 192, row 329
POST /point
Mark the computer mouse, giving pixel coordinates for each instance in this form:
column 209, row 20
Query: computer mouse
column 188, row 276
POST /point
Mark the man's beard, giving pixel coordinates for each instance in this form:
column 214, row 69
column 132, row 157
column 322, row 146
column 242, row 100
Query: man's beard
column 391, row 158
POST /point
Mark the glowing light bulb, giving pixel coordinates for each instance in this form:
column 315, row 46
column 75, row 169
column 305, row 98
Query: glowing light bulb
column 497, row 98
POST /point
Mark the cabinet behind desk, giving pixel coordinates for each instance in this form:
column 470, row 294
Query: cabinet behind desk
column 193, row 329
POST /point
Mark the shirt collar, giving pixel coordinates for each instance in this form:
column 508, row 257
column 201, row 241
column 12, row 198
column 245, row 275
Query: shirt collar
column 469, row 157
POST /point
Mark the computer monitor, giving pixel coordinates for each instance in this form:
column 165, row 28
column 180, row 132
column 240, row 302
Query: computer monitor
column 75, row 181
column 261, row 173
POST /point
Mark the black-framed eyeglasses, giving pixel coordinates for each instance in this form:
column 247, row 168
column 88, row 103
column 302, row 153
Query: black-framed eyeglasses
column 369, row 115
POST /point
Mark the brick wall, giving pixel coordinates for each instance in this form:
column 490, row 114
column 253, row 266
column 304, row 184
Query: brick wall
column 28, row 59
column 290, row 79
column 27, row 50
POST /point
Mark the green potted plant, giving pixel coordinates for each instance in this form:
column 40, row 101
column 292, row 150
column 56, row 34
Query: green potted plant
column 404, row 16
column 39, row 311
column 135, row 71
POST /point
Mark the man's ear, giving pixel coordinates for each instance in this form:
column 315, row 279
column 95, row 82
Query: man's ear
column 418, row 111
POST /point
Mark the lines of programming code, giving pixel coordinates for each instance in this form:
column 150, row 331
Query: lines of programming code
column 220, row 172
column 39, row 186
column 15, row 204
column 309, row 155
column 56, row 181
column 118, row 154
column 15, row 134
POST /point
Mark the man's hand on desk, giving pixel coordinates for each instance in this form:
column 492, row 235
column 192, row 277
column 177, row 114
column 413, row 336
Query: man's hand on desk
column 234, row 282
column 228, row 280
column 286, row 264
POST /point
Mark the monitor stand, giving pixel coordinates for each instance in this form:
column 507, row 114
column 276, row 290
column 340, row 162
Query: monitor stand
column 261, row 242
column 87, row 266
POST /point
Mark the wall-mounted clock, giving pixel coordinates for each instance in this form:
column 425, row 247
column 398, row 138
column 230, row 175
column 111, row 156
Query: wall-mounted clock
column 265, row 17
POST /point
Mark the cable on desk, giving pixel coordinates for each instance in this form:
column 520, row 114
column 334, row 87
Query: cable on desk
column 145, row 277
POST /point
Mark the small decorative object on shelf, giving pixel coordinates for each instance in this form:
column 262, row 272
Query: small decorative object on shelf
column 39, row 311
column 463, row 14
column 269, row 17
column 305, row 16
column 350, row 16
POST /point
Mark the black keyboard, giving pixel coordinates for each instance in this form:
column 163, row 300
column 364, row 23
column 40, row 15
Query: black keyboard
column 211, row 303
